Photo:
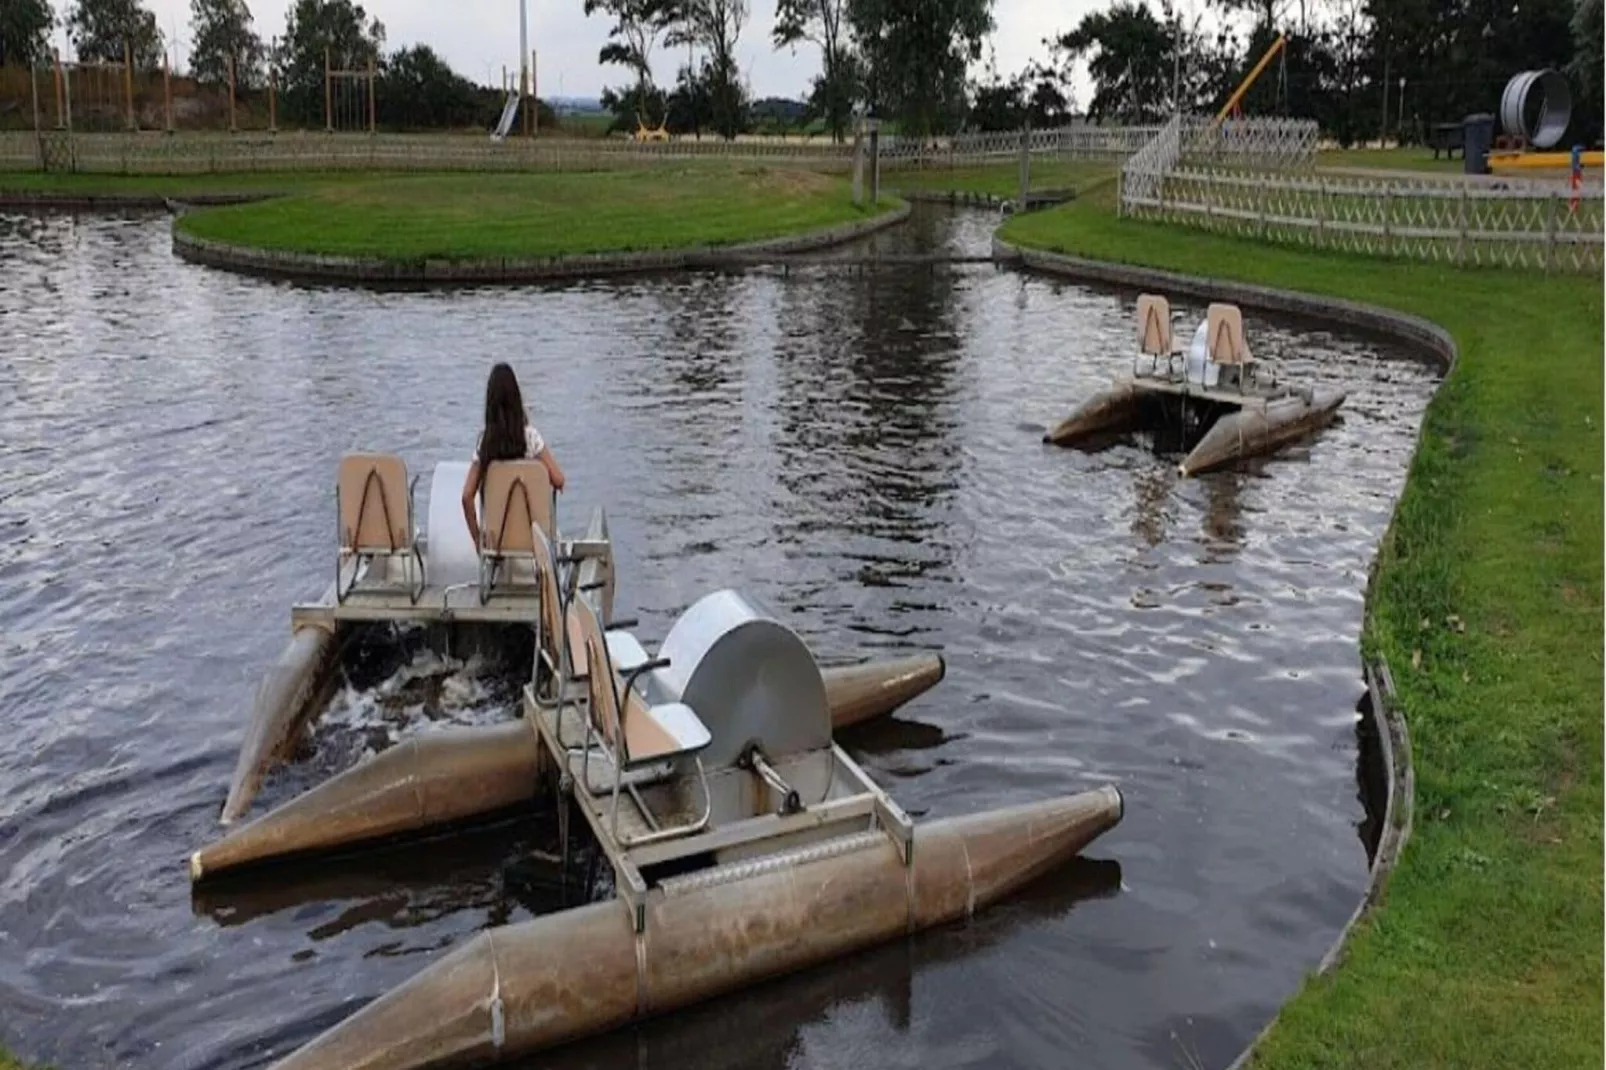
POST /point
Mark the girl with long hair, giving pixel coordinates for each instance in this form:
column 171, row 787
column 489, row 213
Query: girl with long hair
column 508, row 436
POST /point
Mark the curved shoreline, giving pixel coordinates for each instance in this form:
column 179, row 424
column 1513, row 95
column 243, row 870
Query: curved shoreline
column 285, row 264
column 1414, row 332
column 27, row 201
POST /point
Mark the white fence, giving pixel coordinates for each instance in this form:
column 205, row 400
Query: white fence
column 197, row 152
column 1512, row 224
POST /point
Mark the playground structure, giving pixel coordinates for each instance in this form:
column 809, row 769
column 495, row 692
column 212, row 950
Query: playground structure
column 348, row 97
column 107, row 97
column 1234, row 103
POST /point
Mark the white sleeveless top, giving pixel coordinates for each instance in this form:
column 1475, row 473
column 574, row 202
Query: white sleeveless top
column 533, row 444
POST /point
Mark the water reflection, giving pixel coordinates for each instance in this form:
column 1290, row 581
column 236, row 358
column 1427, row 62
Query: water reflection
column 859, row 450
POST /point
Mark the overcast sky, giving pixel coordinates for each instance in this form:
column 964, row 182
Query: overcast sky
column 479, row 36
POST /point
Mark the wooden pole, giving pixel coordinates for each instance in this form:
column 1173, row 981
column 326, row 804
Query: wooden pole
column 372, row 126
column 535, row 111
column 128, row 82
column 61, row 110
column 33, row 90
column 273, row 107
column 167, row 90
column 233, row 128
column 66, row 83
column 328, row 100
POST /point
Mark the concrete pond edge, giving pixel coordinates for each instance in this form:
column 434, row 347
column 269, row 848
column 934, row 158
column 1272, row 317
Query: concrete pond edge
column 1424, row 337
column 250, row 260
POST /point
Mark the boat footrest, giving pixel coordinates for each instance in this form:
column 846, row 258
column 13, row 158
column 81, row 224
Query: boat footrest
column 754, row 867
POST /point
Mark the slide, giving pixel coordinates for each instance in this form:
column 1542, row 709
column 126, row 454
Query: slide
column 506, row 122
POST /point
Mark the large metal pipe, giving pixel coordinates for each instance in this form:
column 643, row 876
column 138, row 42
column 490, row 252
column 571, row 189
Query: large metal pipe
column 281, row 702
column 521, row 988
column 1536, row 106
column 457, row 774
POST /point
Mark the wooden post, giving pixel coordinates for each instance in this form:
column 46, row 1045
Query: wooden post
column 1550, row 230
column 372, row 126
column 1461, row 220
column 1025, row 164
column 535, row 111
column 33, row 90
column 128, row 83
column 328, row 97
column 875, row 162
column 66, row 84
column 233, row 128
column 61, row 110
column 167, row 90
column 273, row 105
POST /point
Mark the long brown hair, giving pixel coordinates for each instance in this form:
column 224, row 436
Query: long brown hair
column 503, row 439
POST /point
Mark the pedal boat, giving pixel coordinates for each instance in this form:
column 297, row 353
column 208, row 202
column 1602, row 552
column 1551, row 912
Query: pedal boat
column 1218, row 387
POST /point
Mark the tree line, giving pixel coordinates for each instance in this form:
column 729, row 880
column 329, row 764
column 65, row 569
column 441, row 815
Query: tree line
column 1360, row 68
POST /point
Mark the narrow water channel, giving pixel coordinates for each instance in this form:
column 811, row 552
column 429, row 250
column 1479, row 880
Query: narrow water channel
column 861, row 451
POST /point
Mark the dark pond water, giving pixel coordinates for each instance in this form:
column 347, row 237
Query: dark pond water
column 863, row 452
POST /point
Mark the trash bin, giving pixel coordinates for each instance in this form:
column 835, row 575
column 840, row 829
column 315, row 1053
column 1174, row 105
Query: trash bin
column 1477, row 135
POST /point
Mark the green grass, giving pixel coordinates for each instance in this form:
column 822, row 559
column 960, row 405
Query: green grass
column 1410, row 158
column 171, row 185
column 532, row 215
column 1000, row 180
column 1486, row 950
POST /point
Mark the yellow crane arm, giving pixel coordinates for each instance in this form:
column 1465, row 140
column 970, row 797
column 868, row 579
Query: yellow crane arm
column 1237, row 95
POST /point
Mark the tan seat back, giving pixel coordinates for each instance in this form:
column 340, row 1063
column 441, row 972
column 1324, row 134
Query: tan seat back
column 546, row 574
column 1224, row 335
column 645, row 738
column 516, row 496
column 374, row 514
column 1154, row 325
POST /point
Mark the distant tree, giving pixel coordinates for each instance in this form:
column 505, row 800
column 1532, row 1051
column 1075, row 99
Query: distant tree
column 825, row 23
column 637, row 27
column 1588, row 28
column 997, row 104
column 342, row 28
column 222, row 30
column 1130, row 60
column 716, row 25
column 24, row 31
column 418, row 89
column 101, row 29
column 689, row 109
column 916, row 54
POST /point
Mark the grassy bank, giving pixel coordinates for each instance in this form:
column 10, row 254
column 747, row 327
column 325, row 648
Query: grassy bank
column 532, row 215
column 1000, row 179
column 1487, row 603
column 88, row 185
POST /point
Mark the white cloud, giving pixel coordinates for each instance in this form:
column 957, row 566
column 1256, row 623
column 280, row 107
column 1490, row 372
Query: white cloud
column 479, row 37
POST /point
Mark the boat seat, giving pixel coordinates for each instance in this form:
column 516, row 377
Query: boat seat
column 1156, row 337
column 374, row 507
column 636, row 736
column 516, row 497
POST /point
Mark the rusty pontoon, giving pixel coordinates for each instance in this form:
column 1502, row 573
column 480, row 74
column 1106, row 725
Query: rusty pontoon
column 464, row 596
column 743, row 840
column 1215, row 386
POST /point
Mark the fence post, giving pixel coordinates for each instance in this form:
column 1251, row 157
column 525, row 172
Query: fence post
column 1461, row 226
column 128, row 83
column 1321, row 213
column 1550, row 229
column 1025, row 162
column 1388, row 221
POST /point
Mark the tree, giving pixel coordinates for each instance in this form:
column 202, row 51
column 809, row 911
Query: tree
column 418, row 89
column 222, row 31
column 24, row 31
column 1588, row 27
column 637, row 25
column 823, row 22
column 1131, row 60
column 916, row 54
column 101, row 29
column 314, row 28
column 716, row 25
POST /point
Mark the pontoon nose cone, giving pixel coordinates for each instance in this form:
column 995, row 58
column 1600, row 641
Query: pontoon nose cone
column 858, row 693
